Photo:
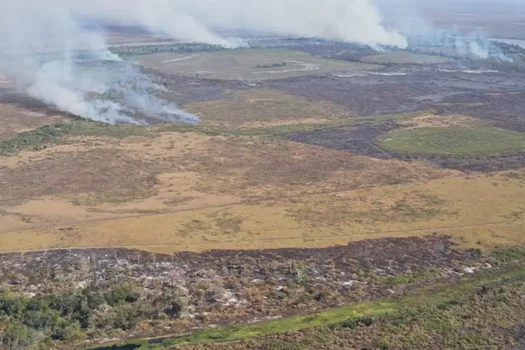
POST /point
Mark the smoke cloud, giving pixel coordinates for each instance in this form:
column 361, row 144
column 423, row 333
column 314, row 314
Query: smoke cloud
column 58, row 61
column 55, row 60
column 408, row 16
column 344, row 20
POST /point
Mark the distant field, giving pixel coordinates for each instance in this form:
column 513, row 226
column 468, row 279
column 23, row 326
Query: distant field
column 454, row 141
column 265, row 107
column 248, row 64
column 403, row 57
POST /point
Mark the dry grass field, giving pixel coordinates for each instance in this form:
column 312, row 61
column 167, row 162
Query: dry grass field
column 166, row 190
column 237, row 181
column 480, row 211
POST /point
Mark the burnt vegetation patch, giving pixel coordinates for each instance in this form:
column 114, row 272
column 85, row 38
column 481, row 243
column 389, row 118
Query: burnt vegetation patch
column 97, row 292
column 472, row 149
column 358, row 140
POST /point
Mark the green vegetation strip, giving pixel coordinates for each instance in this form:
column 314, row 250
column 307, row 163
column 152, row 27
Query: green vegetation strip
column 457, row 292
column 291, row 324
column 59, row 132
column 56, row 134
column 453, row 141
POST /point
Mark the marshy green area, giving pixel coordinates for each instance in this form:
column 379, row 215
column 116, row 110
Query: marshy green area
column 453, row 141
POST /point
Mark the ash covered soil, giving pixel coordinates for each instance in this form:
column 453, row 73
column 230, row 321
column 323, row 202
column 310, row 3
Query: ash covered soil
column 496, row 98
column 223, row 287
column 399, row 89
column 489, row 91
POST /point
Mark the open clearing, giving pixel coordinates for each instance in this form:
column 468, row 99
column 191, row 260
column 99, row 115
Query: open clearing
column 167, row 188
column 248, row 64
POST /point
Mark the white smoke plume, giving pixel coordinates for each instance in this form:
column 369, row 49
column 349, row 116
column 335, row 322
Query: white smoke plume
column 345, row 20
column 409, row 18
column 46, row 49
column 55, row 60
column 475, row 45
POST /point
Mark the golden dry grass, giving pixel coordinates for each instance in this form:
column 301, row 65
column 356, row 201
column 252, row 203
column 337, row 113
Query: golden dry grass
column 481, row 211
column 171, row 191
column 178, row 168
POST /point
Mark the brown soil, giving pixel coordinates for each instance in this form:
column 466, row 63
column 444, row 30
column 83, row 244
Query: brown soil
column 110, row 172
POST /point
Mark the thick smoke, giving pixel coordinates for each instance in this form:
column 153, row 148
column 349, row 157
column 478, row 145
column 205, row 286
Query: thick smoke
column 408, row 17
column 52, row 56
column 55, row 60
column 344, row 20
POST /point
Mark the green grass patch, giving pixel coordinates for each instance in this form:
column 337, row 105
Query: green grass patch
column 56, row 134
column 453, row 141
column 291, row 324
column 509, row 255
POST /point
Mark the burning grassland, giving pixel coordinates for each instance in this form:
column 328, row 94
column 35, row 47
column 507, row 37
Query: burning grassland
column 277, row 157
column 190, row 186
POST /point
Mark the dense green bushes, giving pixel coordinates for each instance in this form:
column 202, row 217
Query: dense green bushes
column 73, row 317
